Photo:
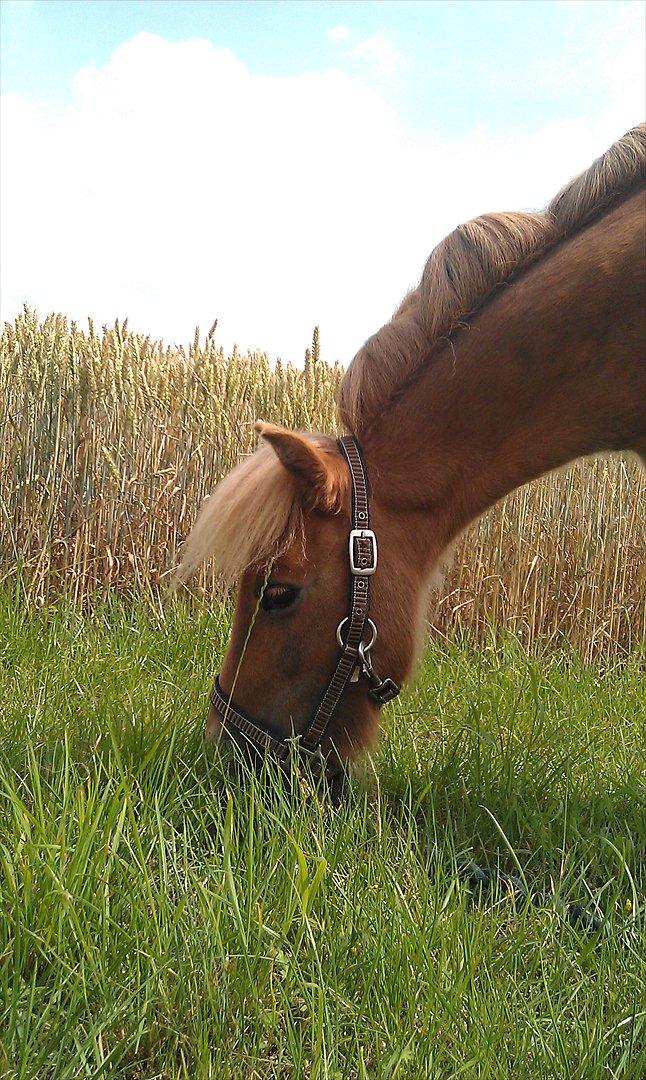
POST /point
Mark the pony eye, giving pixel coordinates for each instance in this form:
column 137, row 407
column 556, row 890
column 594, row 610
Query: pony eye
column 279, row 597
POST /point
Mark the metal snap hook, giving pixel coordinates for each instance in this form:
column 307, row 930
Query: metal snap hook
column 364, row 656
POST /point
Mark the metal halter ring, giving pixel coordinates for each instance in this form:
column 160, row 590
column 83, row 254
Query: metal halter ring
column 367, row 646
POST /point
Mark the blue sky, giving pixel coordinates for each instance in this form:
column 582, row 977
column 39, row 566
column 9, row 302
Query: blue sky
column 285, row 157
column 462, row 63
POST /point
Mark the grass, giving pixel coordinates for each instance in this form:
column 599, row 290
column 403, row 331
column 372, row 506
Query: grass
column 159, row 919
column 110, row 441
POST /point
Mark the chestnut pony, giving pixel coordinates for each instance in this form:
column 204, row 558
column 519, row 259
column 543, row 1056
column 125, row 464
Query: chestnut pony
column 522, row 348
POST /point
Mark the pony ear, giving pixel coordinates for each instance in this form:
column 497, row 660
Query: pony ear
column 319, row 472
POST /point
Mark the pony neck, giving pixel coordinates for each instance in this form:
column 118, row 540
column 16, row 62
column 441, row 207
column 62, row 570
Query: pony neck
column 547, row 371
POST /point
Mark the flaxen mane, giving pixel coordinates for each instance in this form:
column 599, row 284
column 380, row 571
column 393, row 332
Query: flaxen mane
column 256, row 511
column 466, row 267
column 252, row 512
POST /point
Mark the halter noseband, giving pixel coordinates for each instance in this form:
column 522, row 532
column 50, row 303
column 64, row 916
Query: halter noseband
column 354, row 659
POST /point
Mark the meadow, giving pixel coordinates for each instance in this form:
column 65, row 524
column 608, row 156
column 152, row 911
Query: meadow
column 161, row 917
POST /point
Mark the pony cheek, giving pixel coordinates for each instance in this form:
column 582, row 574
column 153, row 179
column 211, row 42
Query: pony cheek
column 289, row 660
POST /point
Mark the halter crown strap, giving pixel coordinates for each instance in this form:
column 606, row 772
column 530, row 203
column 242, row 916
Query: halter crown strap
column 363, row 563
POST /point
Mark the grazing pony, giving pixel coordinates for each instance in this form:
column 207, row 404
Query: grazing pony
column 522, row 348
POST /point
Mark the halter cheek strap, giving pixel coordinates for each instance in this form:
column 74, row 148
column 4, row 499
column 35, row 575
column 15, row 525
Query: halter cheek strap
column 354, row 660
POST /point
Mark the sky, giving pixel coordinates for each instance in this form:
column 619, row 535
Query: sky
column 280, row 165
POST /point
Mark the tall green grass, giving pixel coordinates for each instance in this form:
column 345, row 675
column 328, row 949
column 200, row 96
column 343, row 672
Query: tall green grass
column 159, row 919
column 109, row 442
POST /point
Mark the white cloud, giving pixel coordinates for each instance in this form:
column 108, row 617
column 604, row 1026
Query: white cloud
column 338, row 33
column 179, row 187
column 379, row 49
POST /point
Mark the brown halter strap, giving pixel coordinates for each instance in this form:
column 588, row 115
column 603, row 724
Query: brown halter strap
column 354, row 659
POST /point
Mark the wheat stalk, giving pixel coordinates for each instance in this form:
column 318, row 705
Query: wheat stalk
column 110, row 441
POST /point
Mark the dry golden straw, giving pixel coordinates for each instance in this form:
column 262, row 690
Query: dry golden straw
column 109, row 443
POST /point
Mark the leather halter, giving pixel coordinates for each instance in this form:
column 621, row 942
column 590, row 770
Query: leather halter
column 354, row 658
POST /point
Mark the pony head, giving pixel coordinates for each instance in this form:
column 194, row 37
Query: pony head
column 278, row 526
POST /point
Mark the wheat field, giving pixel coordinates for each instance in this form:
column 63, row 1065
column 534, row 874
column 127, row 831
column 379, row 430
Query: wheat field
column 109, row 442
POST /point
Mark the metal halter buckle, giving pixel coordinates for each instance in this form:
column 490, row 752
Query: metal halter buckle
column 360, row 565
